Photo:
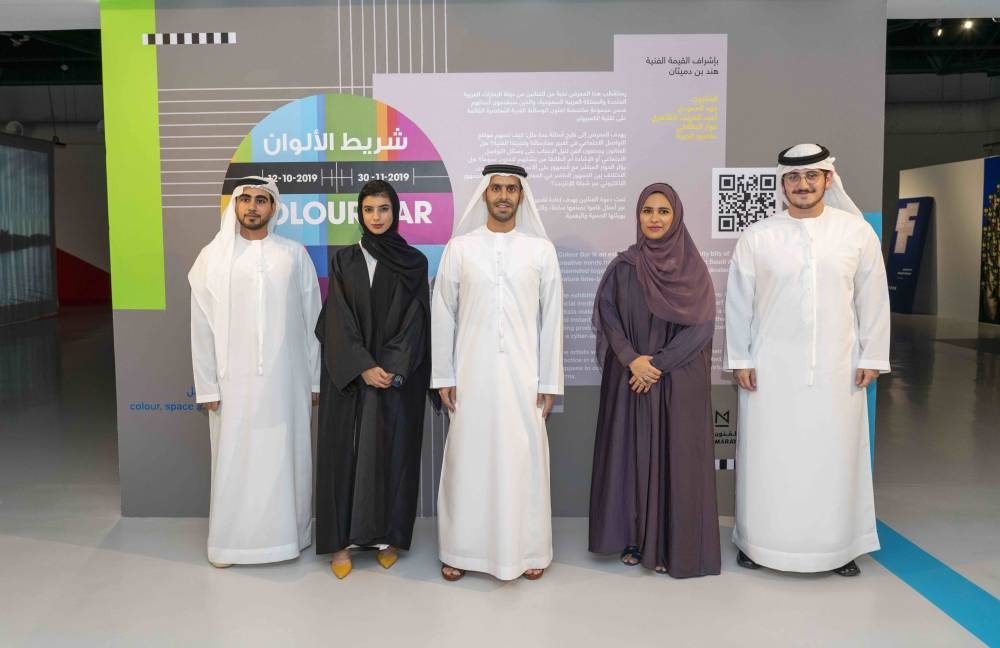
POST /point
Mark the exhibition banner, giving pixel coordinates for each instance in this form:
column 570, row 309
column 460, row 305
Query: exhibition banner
column 591, row 141
column 906, row 251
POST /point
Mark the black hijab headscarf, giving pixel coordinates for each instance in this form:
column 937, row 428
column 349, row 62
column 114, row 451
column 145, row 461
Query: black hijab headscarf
column 393, row 253
column 391, row 250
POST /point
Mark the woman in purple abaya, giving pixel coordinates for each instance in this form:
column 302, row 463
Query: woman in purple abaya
column 652, row 493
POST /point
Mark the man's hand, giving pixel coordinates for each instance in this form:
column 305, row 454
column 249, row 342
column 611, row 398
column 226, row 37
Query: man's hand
column 376, row 377
column 449, row 397
column 746, row 378
column 213, row 406
column 864, row 377
column 545, row 402
column 315, row 399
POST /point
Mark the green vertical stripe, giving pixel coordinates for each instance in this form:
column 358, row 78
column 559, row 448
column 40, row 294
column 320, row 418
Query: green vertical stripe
column 355, row 117
column 346, row 232
column 245, row 151
column 131, row 134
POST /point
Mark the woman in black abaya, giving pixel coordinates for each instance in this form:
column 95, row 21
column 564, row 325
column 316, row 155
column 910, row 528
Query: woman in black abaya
column 375, row 336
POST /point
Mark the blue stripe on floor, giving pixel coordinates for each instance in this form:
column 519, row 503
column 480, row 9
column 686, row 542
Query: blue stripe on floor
column 971, row 606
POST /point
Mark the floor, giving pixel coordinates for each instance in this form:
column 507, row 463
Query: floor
column 74, row 573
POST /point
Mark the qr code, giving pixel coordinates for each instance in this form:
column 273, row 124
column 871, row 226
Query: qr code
column 740, row 198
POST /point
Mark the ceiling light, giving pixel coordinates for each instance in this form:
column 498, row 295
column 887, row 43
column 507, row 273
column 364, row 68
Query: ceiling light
column 938, row 31
column 967, row 24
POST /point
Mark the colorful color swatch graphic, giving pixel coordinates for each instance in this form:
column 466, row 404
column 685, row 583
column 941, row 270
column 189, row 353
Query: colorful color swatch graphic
column 321, row 150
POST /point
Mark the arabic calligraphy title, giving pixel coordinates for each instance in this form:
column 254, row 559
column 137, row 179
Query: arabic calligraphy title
column 317, row 141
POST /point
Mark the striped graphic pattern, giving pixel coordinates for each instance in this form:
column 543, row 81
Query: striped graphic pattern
column 201, row 127
column 190, row 38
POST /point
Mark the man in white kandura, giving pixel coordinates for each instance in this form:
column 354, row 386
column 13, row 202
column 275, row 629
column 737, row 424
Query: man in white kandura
column 807, row 330
column 497, row 350
column 254, row 304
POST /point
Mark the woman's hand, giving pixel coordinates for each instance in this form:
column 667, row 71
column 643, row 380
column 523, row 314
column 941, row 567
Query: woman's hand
column 644, row 374
column 638, row 386
column 376, row 377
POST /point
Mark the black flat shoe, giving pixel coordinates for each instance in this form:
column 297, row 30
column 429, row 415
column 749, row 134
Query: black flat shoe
column 744, row 561
column 848, row 570
column 633, row 553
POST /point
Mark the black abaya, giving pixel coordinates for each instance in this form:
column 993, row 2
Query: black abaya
column 369, row 439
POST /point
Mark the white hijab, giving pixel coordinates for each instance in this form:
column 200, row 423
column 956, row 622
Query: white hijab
column 835, row 195
column 527, row 218
column 210, row 280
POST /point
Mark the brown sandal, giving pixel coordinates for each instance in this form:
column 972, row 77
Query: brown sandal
column 534, row 576
column 451, row 577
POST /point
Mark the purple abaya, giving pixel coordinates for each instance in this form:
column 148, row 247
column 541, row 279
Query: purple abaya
column 653, row 483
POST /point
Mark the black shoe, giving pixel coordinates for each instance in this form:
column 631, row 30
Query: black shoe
column 848, row 570
column 632, row 552
column 744, row 561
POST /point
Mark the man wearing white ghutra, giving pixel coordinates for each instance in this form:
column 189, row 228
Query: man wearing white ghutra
column 254, row 305
column 497, row 348
column 807, row 330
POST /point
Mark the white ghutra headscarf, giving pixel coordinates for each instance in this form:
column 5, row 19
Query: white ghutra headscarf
column 527, row 218
column 210, row 276
column 803, row 157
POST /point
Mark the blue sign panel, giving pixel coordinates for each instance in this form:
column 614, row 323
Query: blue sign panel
column 906, row 251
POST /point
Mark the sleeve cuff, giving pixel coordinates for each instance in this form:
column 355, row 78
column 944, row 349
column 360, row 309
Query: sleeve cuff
column 732, row 365
column 881, row 366
column 207, row 398
column 628, row 357
column 554, row 390
column 439, row 383
column 315, row 389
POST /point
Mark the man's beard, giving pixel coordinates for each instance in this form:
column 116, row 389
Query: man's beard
column 503, row 218
column 253, row 227
column 812, row 194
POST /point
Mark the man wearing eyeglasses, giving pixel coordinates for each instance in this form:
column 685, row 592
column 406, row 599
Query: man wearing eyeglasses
column 807, row 330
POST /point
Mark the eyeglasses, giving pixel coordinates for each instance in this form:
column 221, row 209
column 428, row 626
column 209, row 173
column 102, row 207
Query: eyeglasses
column 812, row 177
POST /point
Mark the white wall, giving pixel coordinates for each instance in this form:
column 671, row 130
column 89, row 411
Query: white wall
column 81, row 202
column 957, row 232
column 933, row 119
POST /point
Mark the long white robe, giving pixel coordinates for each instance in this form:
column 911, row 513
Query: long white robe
column 806, row 305
column 497, row 337
column 261, row 498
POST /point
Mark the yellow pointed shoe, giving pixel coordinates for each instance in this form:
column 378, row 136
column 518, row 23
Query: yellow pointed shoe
column 341, row 569
column 387, row 558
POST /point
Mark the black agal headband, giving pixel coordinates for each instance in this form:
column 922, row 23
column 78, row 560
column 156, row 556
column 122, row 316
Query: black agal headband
column 785, row 160
column 504, row 169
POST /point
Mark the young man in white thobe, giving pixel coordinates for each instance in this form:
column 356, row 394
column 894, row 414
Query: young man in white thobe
column 254, row 305
column 496, row 320
column 807, row 330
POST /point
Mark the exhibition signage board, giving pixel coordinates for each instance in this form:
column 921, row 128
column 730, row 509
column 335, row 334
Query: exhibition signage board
column 906, row 251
